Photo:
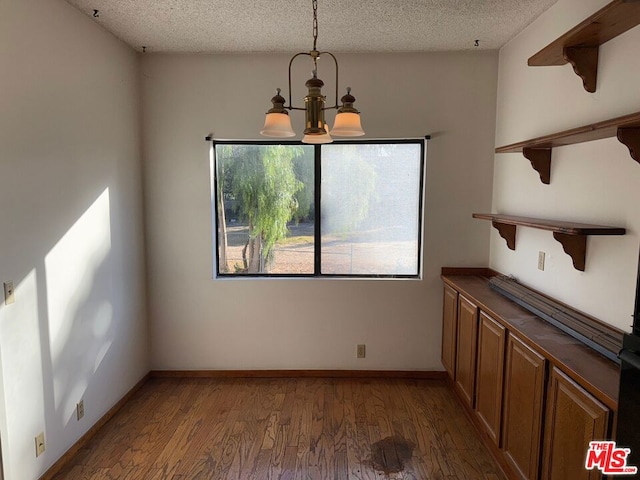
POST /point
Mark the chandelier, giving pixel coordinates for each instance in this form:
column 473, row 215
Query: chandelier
column 347, row 122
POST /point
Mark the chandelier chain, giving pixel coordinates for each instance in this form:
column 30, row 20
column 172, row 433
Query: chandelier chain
column 315, row 23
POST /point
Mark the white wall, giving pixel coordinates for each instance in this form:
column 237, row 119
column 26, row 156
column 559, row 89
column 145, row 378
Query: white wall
column 70, row 228
column 200, row 323
column 594, row 182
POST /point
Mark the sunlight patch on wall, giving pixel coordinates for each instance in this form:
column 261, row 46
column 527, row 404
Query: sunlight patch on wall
column 103, row 320
column 79, row 285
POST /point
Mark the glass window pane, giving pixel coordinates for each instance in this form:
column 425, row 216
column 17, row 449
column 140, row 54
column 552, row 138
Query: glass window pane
column 265, row 209
column 370, row 209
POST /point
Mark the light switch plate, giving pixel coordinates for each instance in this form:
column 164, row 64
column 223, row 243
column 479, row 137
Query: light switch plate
column 541, row 256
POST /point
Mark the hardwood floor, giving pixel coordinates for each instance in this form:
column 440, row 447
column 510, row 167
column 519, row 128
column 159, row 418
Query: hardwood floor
column 309, row 428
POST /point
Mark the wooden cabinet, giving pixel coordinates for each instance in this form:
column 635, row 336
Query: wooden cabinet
column 507, row 369
column 523, row 402
column 465, row 379
column 491, row 340
column 573, row 419
column 449, row 330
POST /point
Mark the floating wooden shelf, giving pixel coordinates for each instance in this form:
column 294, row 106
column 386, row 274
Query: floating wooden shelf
column 580, row 45
column 538, row 150
column 572, row 236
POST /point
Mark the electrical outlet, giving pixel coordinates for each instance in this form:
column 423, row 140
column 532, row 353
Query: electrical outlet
column 362, row 351
column 80, row 409
column 9, row 295
column 541, row 256
column 40, row 444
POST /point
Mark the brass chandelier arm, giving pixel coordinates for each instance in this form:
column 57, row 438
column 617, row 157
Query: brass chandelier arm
column 335, row 62
column 314, row 54
column 291, row 107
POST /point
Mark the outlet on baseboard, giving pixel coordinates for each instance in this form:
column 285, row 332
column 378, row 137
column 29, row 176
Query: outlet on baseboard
column 362, row 351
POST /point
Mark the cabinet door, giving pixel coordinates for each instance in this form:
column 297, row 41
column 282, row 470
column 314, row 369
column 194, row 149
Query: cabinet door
column 449, row 330
column 491, row 339
column 523, row 401
column 573, row 418
column 466, row 349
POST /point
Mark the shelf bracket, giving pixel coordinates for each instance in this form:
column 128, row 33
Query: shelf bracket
column 584, row 61
column 540, row 159
column 575, row 246
column 630, row 137
column 506, row 231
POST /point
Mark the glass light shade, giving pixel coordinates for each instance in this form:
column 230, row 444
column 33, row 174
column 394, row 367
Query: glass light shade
column 277, row 125
column 317, row 139
column 347, row 124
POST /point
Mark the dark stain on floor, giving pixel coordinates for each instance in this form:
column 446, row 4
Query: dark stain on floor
column 390, row 454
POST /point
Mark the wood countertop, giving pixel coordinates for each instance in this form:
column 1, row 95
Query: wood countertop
column 597, row 374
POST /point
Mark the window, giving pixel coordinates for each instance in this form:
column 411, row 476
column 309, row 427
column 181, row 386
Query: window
column 340, row 209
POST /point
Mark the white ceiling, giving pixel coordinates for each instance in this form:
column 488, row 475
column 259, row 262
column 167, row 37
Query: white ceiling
column 286, row 25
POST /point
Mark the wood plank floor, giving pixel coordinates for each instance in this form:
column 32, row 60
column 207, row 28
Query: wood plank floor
column 287, row 429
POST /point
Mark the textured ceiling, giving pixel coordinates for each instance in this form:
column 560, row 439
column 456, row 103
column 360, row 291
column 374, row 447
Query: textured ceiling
column 286, row 25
